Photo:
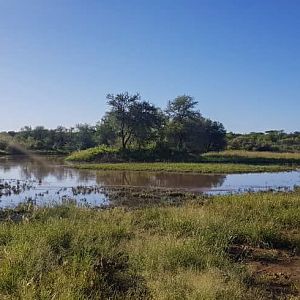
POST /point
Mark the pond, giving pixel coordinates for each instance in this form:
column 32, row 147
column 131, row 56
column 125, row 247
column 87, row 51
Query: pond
column 46, row 180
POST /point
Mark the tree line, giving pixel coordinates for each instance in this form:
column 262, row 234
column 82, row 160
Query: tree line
column 131, row 123
column 134, row 125
column 272, row 140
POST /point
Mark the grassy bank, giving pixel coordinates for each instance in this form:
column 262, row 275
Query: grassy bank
column 252, row 157
column 208, row 248
column 106, row 158
column 205, row 168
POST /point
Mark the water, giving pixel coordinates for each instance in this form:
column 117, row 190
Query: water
column 46, row 180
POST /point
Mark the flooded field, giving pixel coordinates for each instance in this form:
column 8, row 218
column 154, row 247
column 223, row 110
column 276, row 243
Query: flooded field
column 47, row 180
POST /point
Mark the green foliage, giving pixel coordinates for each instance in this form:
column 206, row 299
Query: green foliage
column 253, row 157
column 133, row 119
column 143, row 132
column 187, row 130
column 273, row 140
column 101, row 153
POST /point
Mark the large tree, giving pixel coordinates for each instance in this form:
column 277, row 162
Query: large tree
column 121, row 105
column 133, row 118
column 182, row 114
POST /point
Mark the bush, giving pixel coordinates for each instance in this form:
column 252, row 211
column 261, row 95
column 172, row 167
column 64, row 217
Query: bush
column 101, row 153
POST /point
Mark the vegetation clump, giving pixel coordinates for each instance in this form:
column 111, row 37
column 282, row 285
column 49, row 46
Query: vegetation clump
column 204, row 168
column 100, row 153
column 272, row 140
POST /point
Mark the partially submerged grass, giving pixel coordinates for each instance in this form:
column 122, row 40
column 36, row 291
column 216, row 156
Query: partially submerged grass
column 106, row 158
column 205, row 168
column 166, row 252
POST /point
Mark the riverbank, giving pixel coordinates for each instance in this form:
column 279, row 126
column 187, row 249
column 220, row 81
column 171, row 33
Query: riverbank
column 106, row 158
column 223, row 247
column 252, row 157
column 203, row 168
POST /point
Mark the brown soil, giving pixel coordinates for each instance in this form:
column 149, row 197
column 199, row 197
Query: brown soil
column 275, row 271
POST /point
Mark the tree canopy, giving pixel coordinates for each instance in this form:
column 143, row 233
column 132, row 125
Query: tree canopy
column 132, row 123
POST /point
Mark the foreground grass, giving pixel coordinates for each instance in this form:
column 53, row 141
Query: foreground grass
column 205, row 168
column 252, row 157
column 166, row 252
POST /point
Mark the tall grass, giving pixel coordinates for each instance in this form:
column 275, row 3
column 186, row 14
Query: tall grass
column 166, row 252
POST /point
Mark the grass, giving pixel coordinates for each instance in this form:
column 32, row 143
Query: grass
column 106, row 158
column 253, row 157
column 205, row 168
column 163, row 252
column 91, row 154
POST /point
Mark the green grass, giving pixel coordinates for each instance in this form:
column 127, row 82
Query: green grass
column 92, row 154
column 253, row 157
column 166, row 252
column 106, row 158
column 205, row 168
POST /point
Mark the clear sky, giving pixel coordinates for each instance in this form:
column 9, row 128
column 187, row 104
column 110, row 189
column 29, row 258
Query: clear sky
column 239, row 59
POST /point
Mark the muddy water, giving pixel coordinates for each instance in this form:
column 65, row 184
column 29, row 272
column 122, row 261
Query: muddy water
column 46, row 180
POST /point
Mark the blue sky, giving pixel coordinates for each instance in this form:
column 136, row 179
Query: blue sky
column 239, row 59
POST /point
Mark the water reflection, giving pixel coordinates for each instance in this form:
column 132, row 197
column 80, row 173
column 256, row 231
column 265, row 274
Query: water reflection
column 54, row 181
column 52, row 171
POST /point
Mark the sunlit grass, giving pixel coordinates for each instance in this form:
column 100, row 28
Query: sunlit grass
column 259, row 157
column 266, row 154
column 205, row 168
column 166, row 252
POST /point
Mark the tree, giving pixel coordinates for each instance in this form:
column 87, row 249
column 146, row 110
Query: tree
column 182, row 116
column 105, row 131
column 189, row 131
column 133, row 119
column 216, row 136
column 146, row 122
column 182, row 108
column 121, row 105
column 85, row 136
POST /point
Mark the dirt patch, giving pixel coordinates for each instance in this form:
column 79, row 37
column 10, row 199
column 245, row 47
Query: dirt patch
column 281, row 280
column 275, row 271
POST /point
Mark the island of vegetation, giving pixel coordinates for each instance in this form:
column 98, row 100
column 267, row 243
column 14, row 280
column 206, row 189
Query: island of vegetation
column 155, row 243
column 136, row 131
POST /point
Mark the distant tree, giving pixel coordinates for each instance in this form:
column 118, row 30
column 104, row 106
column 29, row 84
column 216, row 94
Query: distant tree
column 121, row 105
column 60, row 138
column 106, row 131
column 146, row 122
column 84, row 136
column 182, row 117
column 216, row 136
column 189, row 131
column 182, row 108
